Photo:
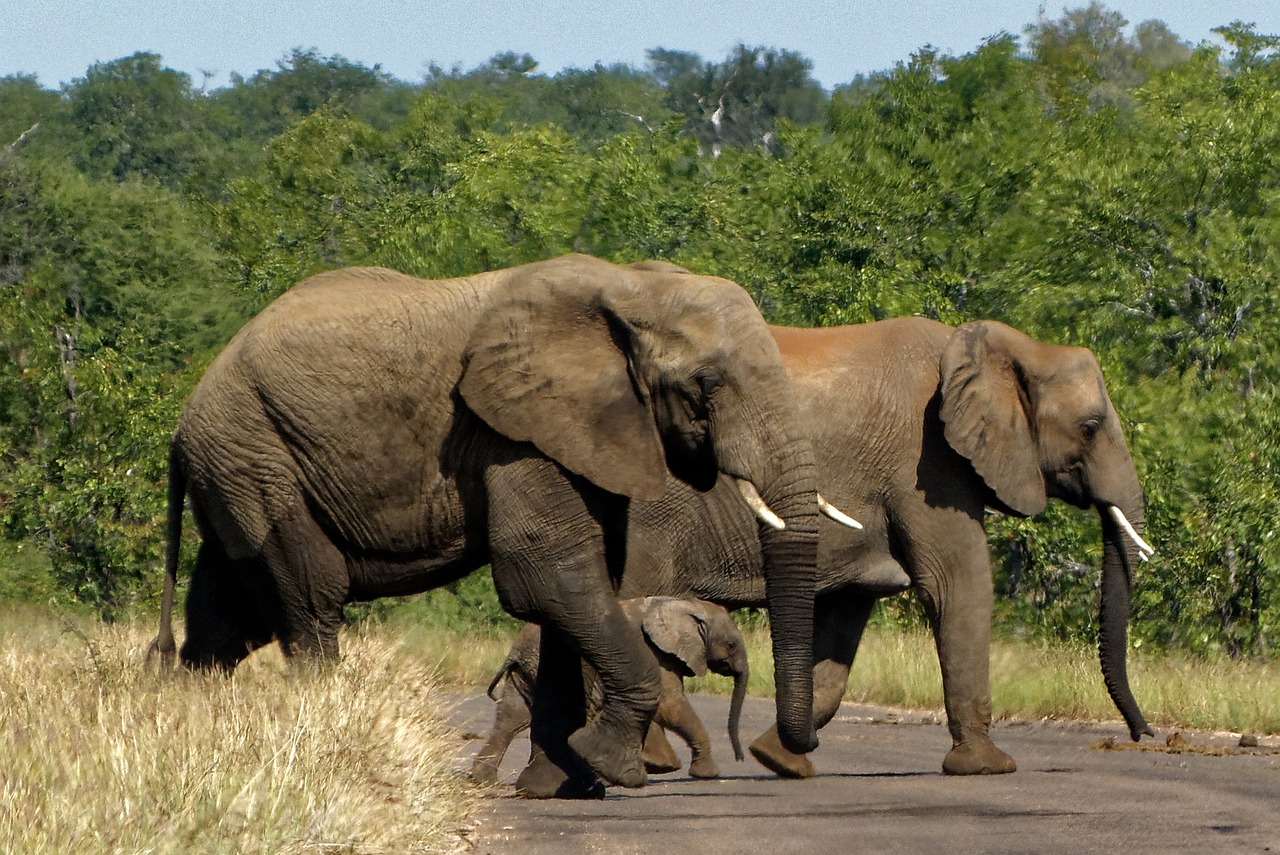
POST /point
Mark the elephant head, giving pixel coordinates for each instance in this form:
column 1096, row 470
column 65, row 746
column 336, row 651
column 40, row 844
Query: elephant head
column 623, row 375
column 1036, row 422
column 703, row 636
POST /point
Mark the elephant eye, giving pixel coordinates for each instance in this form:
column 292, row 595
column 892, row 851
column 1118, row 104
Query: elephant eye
column 1090, row 427
column 709, row 380
column 695, row 407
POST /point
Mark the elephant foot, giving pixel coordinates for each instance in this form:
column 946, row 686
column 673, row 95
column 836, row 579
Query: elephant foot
column 704, row 767
column 542, row 779
column 977, row 757
column 609, row 756
column 484, row 772
column 769, row 751
column 658, row 754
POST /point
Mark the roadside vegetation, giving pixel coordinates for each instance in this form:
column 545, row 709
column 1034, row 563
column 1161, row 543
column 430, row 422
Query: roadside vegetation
column 102, row 757
column 1088, row 181
column 464, row 631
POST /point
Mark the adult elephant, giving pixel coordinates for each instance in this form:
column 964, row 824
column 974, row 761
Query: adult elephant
column 920, row 427
column 373, row 434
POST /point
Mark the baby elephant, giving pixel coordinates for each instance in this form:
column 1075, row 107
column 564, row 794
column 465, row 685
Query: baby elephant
column 686, row 636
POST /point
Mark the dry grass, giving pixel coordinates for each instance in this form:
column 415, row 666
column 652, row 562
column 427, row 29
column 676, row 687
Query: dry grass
column 100, row 757
column 466, row 663
column 1036, row 681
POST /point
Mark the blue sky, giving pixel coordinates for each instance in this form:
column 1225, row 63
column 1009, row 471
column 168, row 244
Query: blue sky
column 59, row 39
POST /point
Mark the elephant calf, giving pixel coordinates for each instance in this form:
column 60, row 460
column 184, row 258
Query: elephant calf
column 687, row 637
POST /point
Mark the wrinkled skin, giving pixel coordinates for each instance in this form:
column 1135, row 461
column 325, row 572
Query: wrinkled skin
column 918, row 427
column 373, row 434
column 686, row 637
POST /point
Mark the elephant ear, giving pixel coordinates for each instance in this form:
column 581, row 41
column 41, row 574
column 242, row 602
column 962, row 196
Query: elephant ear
column 986, row 412
column 675, row 626
column 550, row 363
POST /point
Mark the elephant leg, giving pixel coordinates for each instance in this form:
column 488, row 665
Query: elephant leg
column 658, row 754
column 224, row 624
column 676, row 714
column 839, row 621
column 311, row 582
column 549, row 566
column 558, row 709
column 510, row 717
column 960, row 614
column 613, row 741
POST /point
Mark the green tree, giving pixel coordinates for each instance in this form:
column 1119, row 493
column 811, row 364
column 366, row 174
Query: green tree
column 108, row 287
column 24, row 105
column 133, row 117
column 263, row 104
column 1088, row 60
column 740, row 101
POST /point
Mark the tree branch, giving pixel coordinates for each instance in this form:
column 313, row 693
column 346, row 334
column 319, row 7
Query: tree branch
column 12, row 147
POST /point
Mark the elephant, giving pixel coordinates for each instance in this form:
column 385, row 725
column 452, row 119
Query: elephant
column 687, row 638
column 921, row 427
column 370, row 433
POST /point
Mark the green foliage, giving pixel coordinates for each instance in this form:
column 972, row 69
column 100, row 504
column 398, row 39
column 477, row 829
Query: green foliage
column 467, row 606
column 108, row 288
column 739, row 102
column 1092, row 183
column 264, row 104
column 26, row 574
column 133, row 117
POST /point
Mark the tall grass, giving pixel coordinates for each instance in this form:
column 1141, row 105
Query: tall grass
column 100, row 757
column 897, row 667
column 1034, row 681
column 96, row 756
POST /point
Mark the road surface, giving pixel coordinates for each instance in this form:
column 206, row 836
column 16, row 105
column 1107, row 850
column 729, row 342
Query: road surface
column 879, row 789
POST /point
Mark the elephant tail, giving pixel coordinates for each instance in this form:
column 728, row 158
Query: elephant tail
column 164, row 645
column 506, row 669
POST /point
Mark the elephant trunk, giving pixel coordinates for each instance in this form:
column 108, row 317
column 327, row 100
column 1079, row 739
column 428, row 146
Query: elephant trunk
column 789, row 558
column 735, row 711
column 741, row 671
column 1119, row 558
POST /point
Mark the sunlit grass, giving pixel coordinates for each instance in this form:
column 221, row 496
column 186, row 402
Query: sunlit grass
column 464, row 660
column 1035, row 681
column 100, row 757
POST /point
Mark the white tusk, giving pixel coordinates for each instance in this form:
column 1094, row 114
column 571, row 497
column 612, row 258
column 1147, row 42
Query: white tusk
column 752, row 496
column 837, row 514
column 1145, row 550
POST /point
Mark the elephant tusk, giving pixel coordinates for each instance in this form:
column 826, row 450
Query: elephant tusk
column 837, row 514
column 1145, row 550
column 752, row 497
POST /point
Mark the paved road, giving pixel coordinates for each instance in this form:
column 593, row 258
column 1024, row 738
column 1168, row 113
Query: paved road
column 879, row 790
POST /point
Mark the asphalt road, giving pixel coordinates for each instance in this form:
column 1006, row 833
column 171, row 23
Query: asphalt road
column 879, row 789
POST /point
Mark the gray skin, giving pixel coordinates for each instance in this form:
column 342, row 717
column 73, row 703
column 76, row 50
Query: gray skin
column 371, row 434
column 687, row 638
column 920, row 428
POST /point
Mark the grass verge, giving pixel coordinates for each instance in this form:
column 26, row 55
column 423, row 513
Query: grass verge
column 100, row 757
column 1037, row 681
column 356, row 758
column 899, row 668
